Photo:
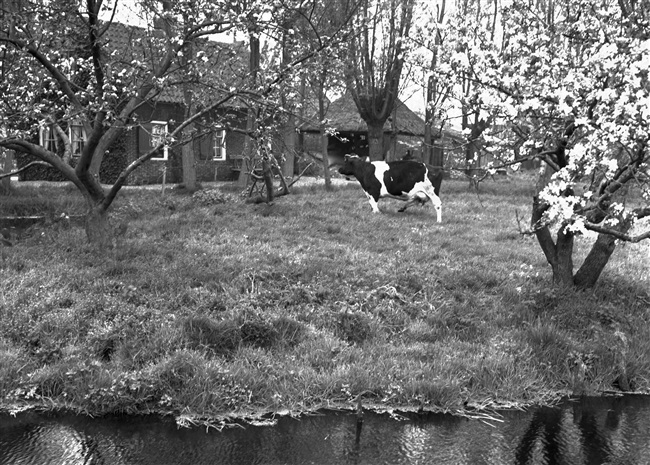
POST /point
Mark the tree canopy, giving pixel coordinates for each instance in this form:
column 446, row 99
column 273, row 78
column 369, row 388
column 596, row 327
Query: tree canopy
column 567, row 83
column 374, row 62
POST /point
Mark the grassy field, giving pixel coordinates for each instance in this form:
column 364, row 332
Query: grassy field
column 210, row 307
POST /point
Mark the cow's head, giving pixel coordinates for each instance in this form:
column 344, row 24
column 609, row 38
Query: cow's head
column 350, row 164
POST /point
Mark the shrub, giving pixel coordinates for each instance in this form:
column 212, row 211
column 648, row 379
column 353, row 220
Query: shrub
column 209, row 197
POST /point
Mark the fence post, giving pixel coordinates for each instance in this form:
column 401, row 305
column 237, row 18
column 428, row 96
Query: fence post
column 164, row 179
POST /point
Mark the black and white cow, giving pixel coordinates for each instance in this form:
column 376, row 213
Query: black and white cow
column 408, row 180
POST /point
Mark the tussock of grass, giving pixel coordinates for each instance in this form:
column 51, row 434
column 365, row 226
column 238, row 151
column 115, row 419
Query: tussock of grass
column 213, row 306
column 218, row 337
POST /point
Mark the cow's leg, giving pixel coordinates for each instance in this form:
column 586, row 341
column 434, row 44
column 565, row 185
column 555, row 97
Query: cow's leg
column 438, row 206
column 436, row 202
column 408, row 203
column 373, row 203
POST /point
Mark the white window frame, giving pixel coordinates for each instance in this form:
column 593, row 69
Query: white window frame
column 78, row 137
column 47, row 137
column 219, row 144
column 153, row 138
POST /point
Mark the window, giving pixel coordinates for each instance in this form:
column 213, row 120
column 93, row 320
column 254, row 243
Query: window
column 78, row 138
column 158, row 132
column 219, row 145
column 211, row 146
column 47, row 138
column 149, row 136
column 50, row 140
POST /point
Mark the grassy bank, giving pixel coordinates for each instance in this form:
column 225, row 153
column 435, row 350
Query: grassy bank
column 211, row 307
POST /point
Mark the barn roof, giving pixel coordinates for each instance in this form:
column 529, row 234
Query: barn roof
column 343, row 115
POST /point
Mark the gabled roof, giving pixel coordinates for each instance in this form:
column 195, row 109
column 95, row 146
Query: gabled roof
column 225, row 63
column 343, row 115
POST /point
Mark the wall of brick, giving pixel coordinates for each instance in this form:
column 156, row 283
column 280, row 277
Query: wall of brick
column 206, row 170
column 126, row 149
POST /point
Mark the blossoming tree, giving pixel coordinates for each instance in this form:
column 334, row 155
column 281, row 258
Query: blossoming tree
column 568, row 84
column 58, row 68
column 64, row 74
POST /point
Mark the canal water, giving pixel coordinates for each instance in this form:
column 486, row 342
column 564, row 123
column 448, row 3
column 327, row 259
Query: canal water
column 612, row 430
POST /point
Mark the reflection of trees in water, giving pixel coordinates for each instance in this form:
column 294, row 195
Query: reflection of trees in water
column 589, row 431
column 551, row 434
column 596, row 448
column 617, row 430
column 544, row 427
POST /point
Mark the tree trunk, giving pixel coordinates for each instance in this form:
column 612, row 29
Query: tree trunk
column 559, row 254
column 289, row 133
column 432, row 148
column 472, row 154
column 376, row 140
column 438, row 158
column 284, row 187
column 324, row 139
column 595, row 262
column 391, row 152
column 267, row 174
column 5, row 183
column 433, row 152
column 188, row 159
column 98, row 228
column 96, row 163
column 189, row 167
column 248, row 152
column 289, row 146
column 300, row 139
column 326, row 160
column 473, row 150
column 563, row 264
column 251, row 124
column 427, row 148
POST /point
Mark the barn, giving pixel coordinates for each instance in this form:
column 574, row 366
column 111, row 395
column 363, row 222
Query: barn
column 403, row 133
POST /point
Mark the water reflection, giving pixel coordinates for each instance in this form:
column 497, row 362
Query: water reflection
column 593, row 431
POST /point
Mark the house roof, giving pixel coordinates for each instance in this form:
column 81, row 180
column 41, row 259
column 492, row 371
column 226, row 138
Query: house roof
column 343, row 115
column 223, row 62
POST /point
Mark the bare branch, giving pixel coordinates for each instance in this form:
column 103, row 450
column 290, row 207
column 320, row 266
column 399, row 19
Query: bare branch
column 19, row 170
column 616, row 233
column 67, row 152
column 524, row 230
column 540, row 155
column 45, row 156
